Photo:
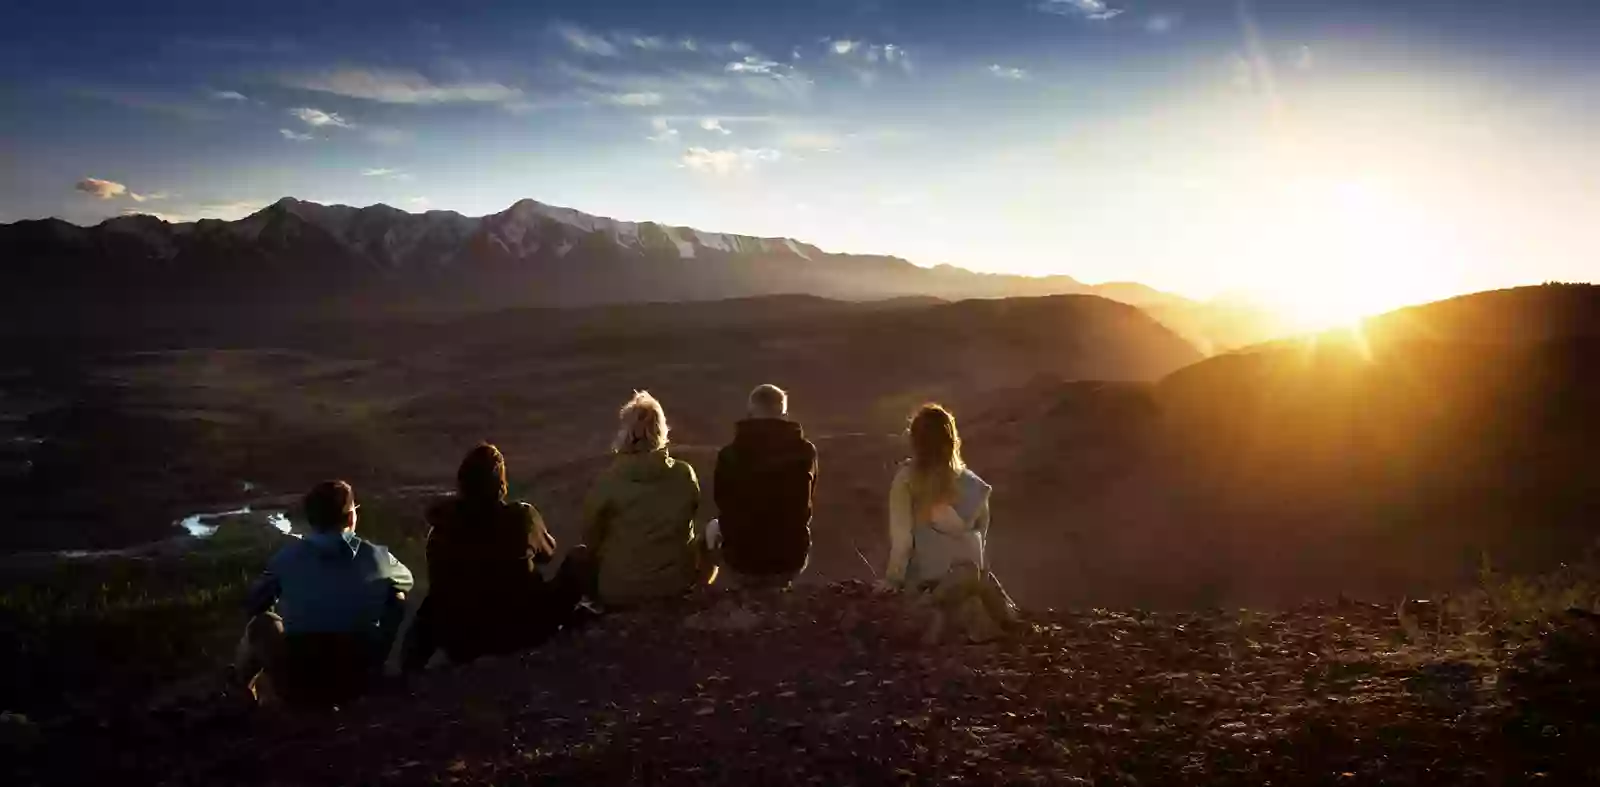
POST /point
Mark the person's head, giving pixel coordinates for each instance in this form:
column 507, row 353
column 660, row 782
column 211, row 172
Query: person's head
column 935, row 457
column 331, row 507
column 768, row 401
column 482, row 475
column 641, row 425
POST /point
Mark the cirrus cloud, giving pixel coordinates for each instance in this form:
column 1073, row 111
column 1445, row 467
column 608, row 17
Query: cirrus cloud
column 1007, row 72
column 100, row 188
column 1096, row 10
column 728, row 161
column 393, row 86
column 317, row 118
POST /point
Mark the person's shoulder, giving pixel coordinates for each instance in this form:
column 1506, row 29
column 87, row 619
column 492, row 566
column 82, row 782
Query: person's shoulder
column 975, row 484
column 902, row 473
column 286, row 554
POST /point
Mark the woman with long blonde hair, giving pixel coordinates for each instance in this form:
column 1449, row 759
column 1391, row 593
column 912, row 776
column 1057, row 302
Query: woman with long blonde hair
column 939, row 523
column 638, row 520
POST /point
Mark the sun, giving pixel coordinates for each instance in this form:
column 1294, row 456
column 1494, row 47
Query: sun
column 1339, row 251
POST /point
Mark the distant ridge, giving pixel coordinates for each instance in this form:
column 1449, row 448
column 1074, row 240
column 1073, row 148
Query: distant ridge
column 297, row 259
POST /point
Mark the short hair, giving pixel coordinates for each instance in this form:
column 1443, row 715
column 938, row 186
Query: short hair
column 642, row 425
column 769, row 401
column 482, row 475
column 326, row 505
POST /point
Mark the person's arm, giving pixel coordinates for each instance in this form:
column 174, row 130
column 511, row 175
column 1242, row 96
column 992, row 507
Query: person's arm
column 596, row 517
column 899, row 530
column 263, row 594
column 541, row 544
column 811, row 491
column 398, row 576
column 982, row 526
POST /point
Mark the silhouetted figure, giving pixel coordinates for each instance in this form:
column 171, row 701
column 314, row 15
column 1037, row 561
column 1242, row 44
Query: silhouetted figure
column 325, row 612
column 485, row 592
column 939, row 528
column 764, row 484
column 638, row 519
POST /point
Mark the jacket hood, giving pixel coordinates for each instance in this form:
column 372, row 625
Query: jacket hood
column 647, row 466
column 343, row 544
column 768, row 433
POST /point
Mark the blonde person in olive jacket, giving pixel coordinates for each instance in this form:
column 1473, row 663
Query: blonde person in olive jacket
column 638, row 519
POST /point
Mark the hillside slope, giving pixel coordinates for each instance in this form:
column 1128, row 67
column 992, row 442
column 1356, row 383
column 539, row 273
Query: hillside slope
column 828, row 686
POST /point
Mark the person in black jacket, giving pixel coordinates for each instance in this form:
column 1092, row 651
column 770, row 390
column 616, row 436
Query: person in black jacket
column 486, row 594
column 763, row 487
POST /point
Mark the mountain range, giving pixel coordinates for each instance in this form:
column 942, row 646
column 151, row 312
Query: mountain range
column 302, row 259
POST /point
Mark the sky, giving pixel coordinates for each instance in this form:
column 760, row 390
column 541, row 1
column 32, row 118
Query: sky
column 1328, row 154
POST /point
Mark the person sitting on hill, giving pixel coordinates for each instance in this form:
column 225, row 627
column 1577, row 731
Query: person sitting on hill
column 763, row 486
column 939, row 528
column 638, row 519
column 324, row 615
column 485, row 592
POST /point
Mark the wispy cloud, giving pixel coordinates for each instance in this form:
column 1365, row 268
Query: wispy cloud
column 1096, row 10
column 295, row 136
column 640, row 99
column 388, row 172
column 391, row 86
column 228, row 95
column 664, row 132
column 317, row 118
column 1007, row 72
column 101, row 189
column 419, row 202
column 586, row 42
column 713, row 124
column 865, row 57
column 728, row 161
column 753, row 64
column 1163, row 22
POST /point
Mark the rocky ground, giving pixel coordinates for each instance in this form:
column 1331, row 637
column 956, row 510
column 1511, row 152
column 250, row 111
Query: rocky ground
column 830, row 685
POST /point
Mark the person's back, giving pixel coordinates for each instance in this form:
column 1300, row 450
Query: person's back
column 483, row 575
column 764, row 484
column 325, row 612
column 639, row 517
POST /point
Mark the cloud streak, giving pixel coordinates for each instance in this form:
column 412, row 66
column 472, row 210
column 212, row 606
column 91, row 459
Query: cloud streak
column 295, row 136
column 101, row 189
column 109, row 189
column 394, row 86
column 228, row 95
column 1007, row 72
column 317, row 118
column 729, row 161
column 1095, row 10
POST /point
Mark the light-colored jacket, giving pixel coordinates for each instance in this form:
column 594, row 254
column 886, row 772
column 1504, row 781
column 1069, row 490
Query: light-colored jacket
column 639, row 521
column 955, row 533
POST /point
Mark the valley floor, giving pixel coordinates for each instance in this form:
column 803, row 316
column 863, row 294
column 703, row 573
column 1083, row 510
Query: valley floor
column 828, row 686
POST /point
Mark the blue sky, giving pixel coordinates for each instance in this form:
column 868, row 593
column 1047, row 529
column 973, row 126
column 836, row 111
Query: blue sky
column 1295, row 148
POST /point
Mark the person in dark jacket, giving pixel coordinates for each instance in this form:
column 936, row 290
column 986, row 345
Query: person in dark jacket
column 485, row 593
column 763, row 487
column 324, row 614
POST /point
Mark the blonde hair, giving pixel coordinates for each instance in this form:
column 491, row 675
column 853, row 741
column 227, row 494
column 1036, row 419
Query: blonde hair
column 935, row 458
column 769, row 401
column 642, row 425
